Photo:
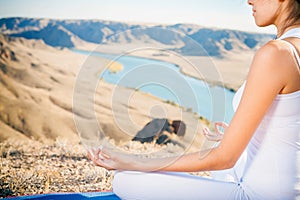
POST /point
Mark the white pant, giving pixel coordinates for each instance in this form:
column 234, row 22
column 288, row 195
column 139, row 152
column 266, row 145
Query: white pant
column 131, row 185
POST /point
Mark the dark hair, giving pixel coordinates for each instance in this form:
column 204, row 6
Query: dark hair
column 294, row 16
column 294, row 10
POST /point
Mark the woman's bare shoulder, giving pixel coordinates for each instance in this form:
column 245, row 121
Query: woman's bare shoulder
column 276, row 49
column 274, row 55
column 276, row 63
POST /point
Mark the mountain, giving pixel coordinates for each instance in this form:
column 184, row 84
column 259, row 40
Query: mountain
column 187, row 39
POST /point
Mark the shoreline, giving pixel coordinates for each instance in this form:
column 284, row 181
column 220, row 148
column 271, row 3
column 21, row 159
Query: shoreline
column 129, row 62
column 211, row 83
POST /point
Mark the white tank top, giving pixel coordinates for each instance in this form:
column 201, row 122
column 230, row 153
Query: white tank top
column 271, row 168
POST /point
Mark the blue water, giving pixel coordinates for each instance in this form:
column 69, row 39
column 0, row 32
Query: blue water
column 165, row 81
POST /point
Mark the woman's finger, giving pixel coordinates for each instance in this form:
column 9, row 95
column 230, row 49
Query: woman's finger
column 101, row 163
column 102, row 155
column 94, row 152
column 206, row 131
column 93, row 159
column 90, row 155
column 105, row 163
column 220, row 124
column 108, row 152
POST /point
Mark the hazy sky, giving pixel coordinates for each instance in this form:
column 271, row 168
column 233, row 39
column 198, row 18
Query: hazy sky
column 233, row 14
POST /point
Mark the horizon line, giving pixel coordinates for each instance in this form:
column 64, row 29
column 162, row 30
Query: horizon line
column 138, row 23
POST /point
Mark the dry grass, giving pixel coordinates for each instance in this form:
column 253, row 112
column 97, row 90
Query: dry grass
column 34, row 168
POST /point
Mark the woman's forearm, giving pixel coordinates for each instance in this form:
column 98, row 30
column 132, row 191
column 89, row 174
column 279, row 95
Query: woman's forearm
column 213, row 159
column 199, row 161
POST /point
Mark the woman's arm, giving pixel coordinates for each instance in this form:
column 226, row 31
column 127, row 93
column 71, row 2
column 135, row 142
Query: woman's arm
column 265, row 80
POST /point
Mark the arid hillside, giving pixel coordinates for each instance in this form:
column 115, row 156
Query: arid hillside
column 37, row 84
column 36, row 88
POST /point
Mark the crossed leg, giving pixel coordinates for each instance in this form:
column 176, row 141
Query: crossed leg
column 132, row 185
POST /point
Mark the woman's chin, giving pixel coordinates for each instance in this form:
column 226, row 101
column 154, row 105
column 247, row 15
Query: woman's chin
column 262, row 24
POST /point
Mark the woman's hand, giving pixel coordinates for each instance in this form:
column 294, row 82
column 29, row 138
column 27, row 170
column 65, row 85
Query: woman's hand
column 218, row 134
column 110, row 160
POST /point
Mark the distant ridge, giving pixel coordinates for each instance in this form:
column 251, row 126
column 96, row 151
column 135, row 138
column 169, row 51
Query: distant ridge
column 73, row 33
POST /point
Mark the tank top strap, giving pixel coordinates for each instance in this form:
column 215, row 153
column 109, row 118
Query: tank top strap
column 296, row 54
column 295, row 32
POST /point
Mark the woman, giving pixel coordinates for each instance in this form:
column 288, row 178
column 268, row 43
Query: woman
column 265, row 126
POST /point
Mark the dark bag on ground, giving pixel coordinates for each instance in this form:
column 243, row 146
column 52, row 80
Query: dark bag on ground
column 158, row 130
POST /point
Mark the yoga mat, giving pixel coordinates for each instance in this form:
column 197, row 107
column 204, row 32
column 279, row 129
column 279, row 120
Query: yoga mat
column 70, row 196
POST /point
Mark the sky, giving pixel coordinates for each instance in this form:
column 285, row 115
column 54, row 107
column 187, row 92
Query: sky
column 229, row 14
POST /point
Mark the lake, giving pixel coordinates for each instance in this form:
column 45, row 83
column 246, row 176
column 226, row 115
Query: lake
column 164, row 80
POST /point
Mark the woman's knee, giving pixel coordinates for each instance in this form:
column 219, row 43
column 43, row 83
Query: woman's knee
column 124, row 185
column 118, row 184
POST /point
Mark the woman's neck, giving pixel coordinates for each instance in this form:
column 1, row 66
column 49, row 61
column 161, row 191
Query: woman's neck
column 281, row 31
